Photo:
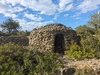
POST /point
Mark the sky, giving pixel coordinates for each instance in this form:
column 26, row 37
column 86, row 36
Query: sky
column 36, row 13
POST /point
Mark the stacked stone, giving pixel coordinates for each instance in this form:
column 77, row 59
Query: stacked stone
column 43, row 38
column 18, row 40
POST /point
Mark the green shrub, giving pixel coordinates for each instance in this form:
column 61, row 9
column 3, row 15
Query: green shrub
column 46, row 64
column 11, row 59
column 92, row 42
column 21, row 33
column 80, row 52
column 16, row 60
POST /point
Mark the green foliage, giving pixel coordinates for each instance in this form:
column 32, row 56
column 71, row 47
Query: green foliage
column 11, row 59
column 79, row 52
column 84, row 30
column 1, row 33
column 21, row 33
column 91, row 41
column 90, row 34
column 94, row 43
column 90, row 47
column 47, row 64
column 95, row 20
column 92, row 27
column 16, row 60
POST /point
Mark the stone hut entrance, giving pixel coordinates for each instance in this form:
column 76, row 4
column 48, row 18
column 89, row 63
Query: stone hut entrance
column 59, row 43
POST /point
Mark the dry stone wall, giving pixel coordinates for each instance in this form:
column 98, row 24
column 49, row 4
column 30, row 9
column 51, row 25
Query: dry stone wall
column 18, row 40
column 43, row 38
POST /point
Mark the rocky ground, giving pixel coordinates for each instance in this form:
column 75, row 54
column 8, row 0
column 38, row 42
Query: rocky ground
column 93, row 64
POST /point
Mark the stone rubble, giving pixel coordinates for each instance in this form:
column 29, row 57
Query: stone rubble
column 14, row 39
column 93, row 64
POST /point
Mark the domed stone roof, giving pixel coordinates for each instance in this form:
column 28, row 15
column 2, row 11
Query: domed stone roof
column 53, row 37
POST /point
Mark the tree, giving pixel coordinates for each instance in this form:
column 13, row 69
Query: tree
column 10, row 25
column 94, row 22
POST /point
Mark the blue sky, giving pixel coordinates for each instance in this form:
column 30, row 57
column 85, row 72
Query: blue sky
column 36, row 13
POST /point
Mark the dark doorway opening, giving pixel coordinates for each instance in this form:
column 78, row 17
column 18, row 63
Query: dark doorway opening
column 59, row 43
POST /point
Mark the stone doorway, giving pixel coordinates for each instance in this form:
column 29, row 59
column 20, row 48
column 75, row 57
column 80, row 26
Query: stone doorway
column 59, row 43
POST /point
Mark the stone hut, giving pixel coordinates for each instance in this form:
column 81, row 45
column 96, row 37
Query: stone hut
column 52, row 37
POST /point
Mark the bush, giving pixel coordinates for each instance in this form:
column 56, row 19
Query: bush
column 90, row 47
column 46, row 64
column 16, row 60
column 21, row 33
column 94, row 43
column 91, row 41
column 11, row 59
column 80, row 52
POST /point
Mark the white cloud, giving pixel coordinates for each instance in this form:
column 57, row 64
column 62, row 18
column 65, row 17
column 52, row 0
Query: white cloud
column 70, row 6
column 56, row 16
column 9, row 11
column 85, row 6
column 33, row 17
column 4, row 9
column 76, row 16
column 17, row 9
column 46, row 7
column 11, row 8
column 10, row 15
column 65, row 15
column 31, row 25
column 13, row 2
column 88, row 5
column 43, row 6
column 63, row 4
